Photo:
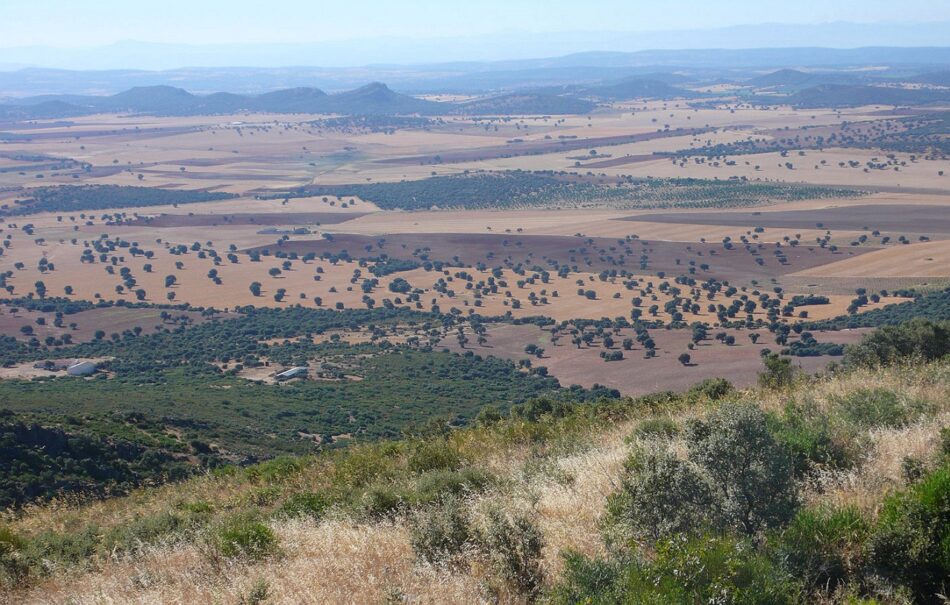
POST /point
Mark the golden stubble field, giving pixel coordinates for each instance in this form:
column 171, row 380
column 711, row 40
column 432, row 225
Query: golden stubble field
column 248, row 154
column 304, row 281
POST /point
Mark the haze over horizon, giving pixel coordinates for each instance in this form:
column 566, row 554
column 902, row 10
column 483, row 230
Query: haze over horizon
column 104, row 34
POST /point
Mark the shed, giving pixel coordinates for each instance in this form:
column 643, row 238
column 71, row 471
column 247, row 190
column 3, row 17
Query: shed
column 81, row 368
column 294, row 372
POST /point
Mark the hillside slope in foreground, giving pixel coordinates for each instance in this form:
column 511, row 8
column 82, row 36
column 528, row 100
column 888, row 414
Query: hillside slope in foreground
column 808, row 489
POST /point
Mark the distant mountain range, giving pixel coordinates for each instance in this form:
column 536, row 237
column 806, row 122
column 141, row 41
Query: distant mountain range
column 673, row 67
column 372, row 99
column 786, row 87
column 811, row 88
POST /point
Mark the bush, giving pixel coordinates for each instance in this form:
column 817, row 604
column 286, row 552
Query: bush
column 441, row 533
column 306, row 504
column 244, row 537
column 380, row 501
column 711, row 569
column 434, row 455
column 712, row 388
column 808, row 435
column 910, row 542
column 704, row 569
column 751, row 473
column 661, row 495
column 778, row 372
column 589, row 581
column 665, row 428
column 824, row 547
column 736, row 477
column 918, row 338
column 877, row 407
column 13, row 569
column 514, row 545
column 436, row 485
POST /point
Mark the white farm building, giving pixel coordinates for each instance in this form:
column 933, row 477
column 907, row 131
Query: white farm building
column 295, row 372
column 81, row 368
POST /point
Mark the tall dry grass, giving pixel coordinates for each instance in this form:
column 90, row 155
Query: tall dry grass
column 562, row 487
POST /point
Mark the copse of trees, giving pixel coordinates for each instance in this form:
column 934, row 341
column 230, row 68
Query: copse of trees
column 919, row 339
column 518, row 188
column 75, row 198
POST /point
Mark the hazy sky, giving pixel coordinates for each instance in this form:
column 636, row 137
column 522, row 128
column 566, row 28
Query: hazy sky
column 96, row 22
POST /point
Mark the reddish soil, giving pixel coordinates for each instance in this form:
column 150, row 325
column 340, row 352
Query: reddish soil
column 538, row 147
column 588, row 254
column 107, row 319
column 909, row 218
column 634, row 375
column 621, row 161
column 262, row 218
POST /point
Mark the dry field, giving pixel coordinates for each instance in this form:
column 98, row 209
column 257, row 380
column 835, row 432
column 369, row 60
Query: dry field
column 635, row 374
column 255, row 154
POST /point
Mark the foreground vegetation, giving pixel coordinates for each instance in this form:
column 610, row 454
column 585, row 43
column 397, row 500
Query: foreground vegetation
column 828, row 489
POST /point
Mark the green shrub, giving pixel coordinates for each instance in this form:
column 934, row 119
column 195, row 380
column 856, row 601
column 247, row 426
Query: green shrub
column 910, row 542
column 809, row 437
column 66, row 549
column 778, row 372
column 434, row 455
column 736, row 477
column 244, row 536
column 710, row 569
column 380, row 501
column 305, row 504
column 514, row 545
column 197, row 507
column 167, row 526
column 657, row 428
column 588, row 581
column 660, row 495
column 703, row 569
column 361, row 466
column 877, row 407
column 257, row 595
column 751, row 473
column 441, row 533
column 712, row 388
column 824, row 548
column 436, row 485
column 275, row 471
column 918, row 338
column 13, row 569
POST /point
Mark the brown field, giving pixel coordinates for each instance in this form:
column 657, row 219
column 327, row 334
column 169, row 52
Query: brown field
column 251, row 155
column 108, row 319
column 897, row 218
column 636, row 375
column 588, row 254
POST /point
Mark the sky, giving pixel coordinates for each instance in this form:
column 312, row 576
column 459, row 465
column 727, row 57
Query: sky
column 85, row 23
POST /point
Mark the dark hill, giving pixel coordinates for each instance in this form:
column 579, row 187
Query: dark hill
column 936, row 78
column 291, row 100
column 796, row 80
column 377, row 98
column 637, row 88
column 527, row 103
column 838, row 95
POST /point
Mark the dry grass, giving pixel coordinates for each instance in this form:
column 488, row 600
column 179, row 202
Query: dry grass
column 561, row 484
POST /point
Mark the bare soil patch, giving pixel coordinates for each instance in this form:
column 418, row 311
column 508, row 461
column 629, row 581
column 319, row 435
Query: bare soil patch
column 634, row 374
column 471, row 249
column 913, row 218
column 263, row 219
